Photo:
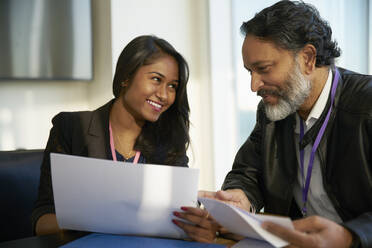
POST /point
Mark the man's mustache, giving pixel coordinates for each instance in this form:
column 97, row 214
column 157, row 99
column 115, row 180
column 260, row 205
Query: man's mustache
column 264, row 92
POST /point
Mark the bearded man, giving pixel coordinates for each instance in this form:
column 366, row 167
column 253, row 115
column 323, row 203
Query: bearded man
column 310, row 154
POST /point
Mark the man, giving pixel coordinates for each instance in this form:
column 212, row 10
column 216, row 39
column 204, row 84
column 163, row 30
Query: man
column 309, row 155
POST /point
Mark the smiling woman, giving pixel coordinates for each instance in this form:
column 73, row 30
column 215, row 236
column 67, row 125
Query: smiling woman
column 147, row 122
column 152, row 90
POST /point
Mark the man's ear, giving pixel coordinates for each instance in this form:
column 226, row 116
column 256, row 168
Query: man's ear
column 309, row 58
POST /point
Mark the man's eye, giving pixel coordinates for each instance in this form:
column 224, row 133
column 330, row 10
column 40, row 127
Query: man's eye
column 263, row 69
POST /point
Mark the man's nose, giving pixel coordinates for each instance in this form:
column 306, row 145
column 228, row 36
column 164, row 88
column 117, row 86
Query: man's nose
column 256, row 82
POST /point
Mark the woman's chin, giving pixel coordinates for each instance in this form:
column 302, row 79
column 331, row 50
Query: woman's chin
column 152, row 118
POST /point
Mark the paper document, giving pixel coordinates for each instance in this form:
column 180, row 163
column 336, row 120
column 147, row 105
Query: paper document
column 244, row 223
column 106, row 196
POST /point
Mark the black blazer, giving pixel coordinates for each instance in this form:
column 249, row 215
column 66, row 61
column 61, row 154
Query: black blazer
column 84, row 133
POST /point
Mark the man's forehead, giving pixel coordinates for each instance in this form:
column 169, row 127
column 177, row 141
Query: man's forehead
column 257, row 51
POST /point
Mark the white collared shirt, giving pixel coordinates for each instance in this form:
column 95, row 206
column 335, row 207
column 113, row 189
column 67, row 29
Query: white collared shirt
column 318, row 202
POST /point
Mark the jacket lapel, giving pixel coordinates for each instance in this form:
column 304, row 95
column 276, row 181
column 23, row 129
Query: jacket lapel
column 311, row 135
column 287, row 147
column 98, row 137
column 322, row 149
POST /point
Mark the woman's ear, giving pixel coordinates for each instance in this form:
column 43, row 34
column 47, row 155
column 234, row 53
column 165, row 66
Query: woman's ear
column 124, row 87
column 309, row 57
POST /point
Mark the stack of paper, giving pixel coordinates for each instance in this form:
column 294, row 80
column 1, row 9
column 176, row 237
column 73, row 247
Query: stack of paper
column 244, row 223
column 105, row 196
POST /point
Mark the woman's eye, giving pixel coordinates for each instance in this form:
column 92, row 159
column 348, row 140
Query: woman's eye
column 173, row 86
column 158, row 79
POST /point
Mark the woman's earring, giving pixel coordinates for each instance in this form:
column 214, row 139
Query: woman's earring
column 124, row 84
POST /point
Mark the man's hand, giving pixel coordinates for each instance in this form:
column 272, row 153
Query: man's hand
column 312, row 231
column 234, row 197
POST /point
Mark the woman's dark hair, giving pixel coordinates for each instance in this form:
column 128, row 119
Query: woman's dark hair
column 293, row 24
column 170, row 133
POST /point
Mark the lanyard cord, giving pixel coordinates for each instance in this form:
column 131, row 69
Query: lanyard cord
column 113, row 152
column 306, row 184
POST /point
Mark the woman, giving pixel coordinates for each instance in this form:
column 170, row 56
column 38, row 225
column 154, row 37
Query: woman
column 146, row 122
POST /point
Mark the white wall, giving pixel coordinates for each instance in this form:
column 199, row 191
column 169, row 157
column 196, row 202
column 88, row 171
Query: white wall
column 183, row 23
column 223, row 91
column 100, row 89
column 27, row 107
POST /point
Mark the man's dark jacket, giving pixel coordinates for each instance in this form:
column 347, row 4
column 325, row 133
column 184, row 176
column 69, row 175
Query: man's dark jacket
column 265, row 167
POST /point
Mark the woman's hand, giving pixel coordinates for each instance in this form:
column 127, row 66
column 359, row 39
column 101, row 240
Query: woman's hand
column 198, row 224
column 47, row 224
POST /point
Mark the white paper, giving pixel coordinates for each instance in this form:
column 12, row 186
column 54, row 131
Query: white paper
column 120, row 198
column 244, row 223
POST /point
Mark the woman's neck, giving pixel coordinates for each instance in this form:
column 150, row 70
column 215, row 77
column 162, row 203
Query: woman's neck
column 124, row 126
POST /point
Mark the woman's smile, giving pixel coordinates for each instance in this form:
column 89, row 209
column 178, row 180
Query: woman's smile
column 156, row 106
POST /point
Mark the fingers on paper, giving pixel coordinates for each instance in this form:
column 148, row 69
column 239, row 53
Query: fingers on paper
column 292, row 236
column 235, row 197
column 310, row 224
column 207, row 194
column 226, row 196
column 195, row 211
column 196, row 232
column 198, row 225
column 196, row 216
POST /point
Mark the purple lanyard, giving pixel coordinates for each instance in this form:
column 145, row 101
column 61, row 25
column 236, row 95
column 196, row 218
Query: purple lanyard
column 306, row 184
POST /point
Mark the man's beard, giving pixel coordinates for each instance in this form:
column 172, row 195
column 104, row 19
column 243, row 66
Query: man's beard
column 297, row 89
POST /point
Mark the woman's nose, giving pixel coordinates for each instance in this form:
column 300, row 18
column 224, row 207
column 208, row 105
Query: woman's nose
column 162, row 92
